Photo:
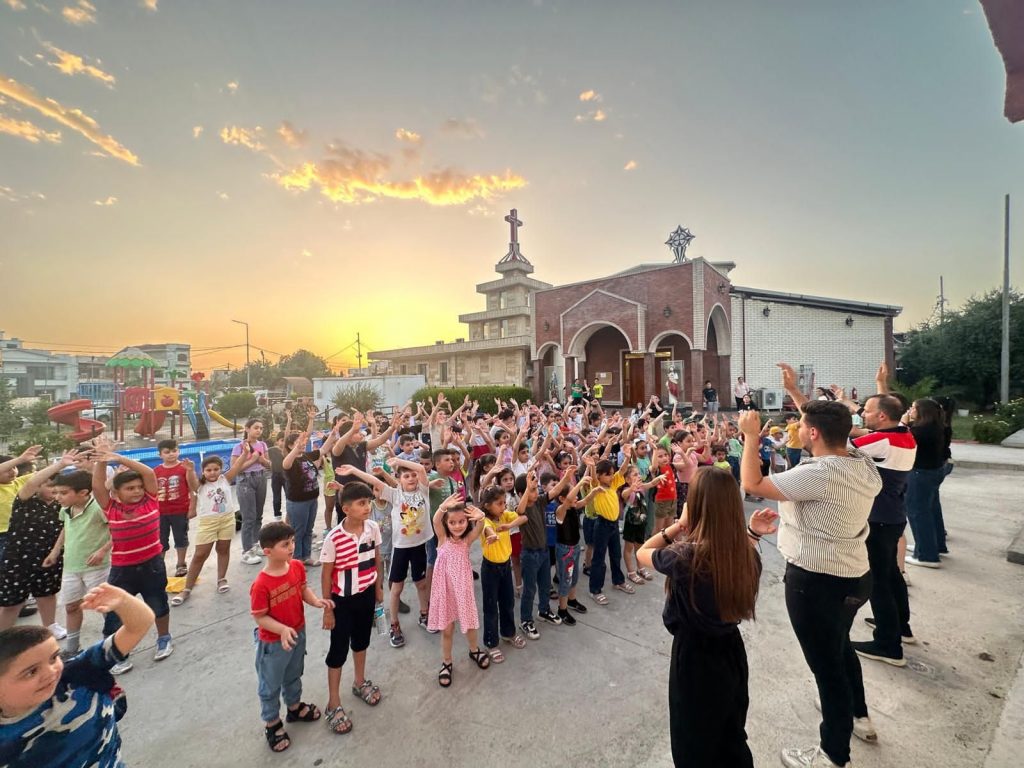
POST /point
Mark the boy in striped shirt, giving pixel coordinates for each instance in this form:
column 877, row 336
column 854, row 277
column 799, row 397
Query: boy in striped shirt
column 351, row 579
column 136, row 556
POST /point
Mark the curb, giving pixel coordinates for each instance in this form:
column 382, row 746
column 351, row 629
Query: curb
column 968, row 464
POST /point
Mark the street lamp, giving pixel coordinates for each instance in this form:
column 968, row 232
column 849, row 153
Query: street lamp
column 248, row 372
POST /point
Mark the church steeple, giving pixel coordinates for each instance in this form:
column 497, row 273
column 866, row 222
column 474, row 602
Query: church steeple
column 513, row 261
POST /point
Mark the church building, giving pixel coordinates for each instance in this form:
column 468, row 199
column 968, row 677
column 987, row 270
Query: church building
column 654, row 329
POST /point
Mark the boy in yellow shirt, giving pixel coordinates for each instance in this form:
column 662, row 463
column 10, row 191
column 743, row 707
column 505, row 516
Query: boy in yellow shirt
column 606, row 481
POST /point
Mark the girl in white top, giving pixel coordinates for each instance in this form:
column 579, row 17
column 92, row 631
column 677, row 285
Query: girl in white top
column 216, row 512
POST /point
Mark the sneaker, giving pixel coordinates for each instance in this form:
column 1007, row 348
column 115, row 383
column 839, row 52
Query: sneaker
column 911, row 560
column 871, row 650
column 476, row 576
column 863, row 728
column 164, row 648
column 58, row 632
column 906, row 634
column 424, row 624
column 28, row 609
column 395, row 636
column 529, row 630
column 402, row 607
column 121, row 667
column 577, row 606
column 812, row 757
column 566, row 617
column 548, row 616
column 250, row 559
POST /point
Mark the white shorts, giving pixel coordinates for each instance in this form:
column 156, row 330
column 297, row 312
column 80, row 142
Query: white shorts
column 74, row 586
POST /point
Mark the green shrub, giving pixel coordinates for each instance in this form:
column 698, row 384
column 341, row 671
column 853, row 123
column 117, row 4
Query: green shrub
column 991, row 431
column 1012, row 413
column 483, row 395
column 362, row 398
column 236, row 405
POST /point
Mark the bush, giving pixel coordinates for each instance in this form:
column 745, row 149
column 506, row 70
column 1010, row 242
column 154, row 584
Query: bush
column 53, row 442
column 483, row 395
column 362, row 398
column 917, row 391
column 991, row 431
column 1012, row 413
column 236, row 405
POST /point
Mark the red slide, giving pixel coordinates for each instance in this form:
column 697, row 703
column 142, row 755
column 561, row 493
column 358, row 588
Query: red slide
column 71, row 414
column 150, row 423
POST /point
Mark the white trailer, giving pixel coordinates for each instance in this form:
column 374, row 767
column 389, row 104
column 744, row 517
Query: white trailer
column 395, row 391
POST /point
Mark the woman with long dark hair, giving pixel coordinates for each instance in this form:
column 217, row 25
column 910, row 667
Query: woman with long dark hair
column 713, row 573
column 923, row 511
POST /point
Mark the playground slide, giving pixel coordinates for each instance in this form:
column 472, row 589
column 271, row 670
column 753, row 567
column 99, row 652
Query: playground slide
column 220, row 419
column 199, row 426
column 70, row 413
column 150, row 423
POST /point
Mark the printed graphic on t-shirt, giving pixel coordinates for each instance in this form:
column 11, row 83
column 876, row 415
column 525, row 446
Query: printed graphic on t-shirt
column 411, row 514
column 169, row 488
column 283, row 592
column 217, row 500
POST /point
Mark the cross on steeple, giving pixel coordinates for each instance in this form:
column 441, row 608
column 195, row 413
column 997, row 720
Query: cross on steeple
column 514, row 224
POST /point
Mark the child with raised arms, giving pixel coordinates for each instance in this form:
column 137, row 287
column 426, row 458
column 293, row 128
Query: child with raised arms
column 457, row 526
column 496, row 572
column 634, row 501
column 568, row 552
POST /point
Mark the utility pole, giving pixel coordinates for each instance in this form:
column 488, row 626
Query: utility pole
column 359, row 353
column 248, row 371
column 1004, row 361
column 942, row 301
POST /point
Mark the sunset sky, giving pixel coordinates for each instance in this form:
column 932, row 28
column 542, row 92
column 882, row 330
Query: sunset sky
column 320, row 169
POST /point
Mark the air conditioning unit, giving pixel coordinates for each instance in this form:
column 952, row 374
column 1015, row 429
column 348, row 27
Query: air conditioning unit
column 770, row 399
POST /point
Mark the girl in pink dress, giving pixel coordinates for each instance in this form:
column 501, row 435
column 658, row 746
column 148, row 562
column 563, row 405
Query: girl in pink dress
column 457, row 526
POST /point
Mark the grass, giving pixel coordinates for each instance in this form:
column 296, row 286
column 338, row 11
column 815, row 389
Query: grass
column 963, row 426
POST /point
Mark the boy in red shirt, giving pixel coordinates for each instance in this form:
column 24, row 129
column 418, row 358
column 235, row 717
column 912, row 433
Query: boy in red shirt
column 136, row 559
column 176, row 482
column 276, row 598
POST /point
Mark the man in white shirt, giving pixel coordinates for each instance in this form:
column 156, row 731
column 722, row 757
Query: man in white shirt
column 823, row 526
column 739, row 391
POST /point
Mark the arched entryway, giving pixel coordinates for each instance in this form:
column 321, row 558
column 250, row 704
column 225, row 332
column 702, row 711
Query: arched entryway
column 718, row 354
column 601, row 352
column 671, row 359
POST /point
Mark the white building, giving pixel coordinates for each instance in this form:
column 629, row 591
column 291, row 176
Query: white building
column 37, row 372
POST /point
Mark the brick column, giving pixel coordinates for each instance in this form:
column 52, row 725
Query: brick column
column 725, row 398
column 696, row 378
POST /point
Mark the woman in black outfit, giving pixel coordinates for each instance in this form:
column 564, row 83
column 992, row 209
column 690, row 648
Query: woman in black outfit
column 713, row 574
column 923, row 511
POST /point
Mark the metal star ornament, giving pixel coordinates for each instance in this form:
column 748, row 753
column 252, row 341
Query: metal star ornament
column 677, row 241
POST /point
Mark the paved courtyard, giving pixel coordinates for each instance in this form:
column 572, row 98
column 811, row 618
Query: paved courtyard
column 594, row 694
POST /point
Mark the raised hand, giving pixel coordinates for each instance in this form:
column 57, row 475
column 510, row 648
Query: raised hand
column 474, row 514
column 750, row 423
column 789, row 378
column 104, row 598
column 762, row 521
column 345, row 469
column 189, row 465
column 30, row 453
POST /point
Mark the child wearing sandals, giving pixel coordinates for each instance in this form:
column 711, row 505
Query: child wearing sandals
column 276, row 599
column 216, row 516
column 634, row 500
column 457, row 526
column 496, row 572
column 353, row 583
column 568, row 551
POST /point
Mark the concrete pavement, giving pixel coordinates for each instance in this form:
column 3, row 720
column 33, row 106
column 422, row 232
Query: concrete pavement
column 595, row 694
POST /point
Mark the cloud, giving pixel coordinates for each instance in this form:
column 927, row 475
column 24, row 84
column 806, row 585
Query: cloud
column 223, row 196
column 232, row 86
column 15, row 5
column 70, row 64
column 306, row 253
column 233, row 134
column 353, row 176
column 590, row 95
column 630, row 166
column 8, row 194
column 83, row 12
column 25, row 61
column 467, row 128
column 106, row 203
column 408, row 136
column 27, row 130
column 71, row 118
column 516, row 83
column 291, row 136
column 149, row 5
column 197, row 131
column 595, row 116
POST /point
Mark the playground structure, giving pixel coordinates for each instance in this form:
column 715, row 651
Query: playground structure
column 70, row 414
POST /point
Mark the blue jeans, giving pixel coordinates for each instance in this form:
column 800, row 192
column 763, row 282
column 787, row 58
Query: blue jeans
column 301, row 516
column 251, row 488
column 606, row 541
column 279, row 674
column 794, row 454
column 923, row 512
column 536, row 577
column 499, row 600
column 734, row 465
column 567, row 558
column 432, row 550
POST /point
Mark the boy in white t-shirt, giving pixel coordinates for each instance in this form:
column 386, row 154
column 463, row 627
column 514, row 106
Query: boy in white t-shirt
column 410, row 517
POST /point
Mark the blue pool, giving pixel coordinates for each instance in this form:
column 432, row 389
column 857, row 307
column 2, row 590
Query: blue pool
column 195, row 451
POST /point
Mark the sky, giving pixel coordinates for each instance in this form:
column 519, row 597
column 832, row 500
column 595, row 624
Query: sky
column 322, row 169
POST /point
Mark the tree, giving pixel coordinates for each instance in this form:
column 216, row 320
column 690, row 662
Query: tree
column 10, row 421
column 962, row 354
column 236, row 405
column 302, row 363
column 361, row 397
column 260, row 374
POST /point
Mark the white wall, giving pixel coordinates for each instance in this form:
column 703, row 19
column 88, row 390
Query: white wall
column 395, row 390
column 799, row 335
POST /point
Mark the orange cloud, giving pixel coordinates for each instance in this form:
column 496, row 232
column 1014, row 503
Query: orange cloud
column 149, row 5
column 597, row 116
column 590, row 95
column 353, row 176
column 197, row 131
column 70, row 64
column 26, row 130
column 15, row 5
column 83, row 12
column 233, row 134
column 408, row 136
column 71, row 118
column 631, row 165
column 106, row 203
column 232, row 86
column 290, row 135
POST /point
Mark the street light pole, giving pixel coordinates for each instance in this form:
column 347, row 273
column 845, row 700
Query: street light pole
column 248, row 372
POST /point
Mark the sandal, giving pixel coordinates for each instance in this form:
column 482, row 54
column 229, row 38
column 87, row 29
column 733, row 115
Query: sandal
column 304, row 713
column 600, row 598
column 636, row 578
column 496, row 655
column 311, row 563
column 368, row 692
column 181, row 570
column 444, row 677
column 517, row 642
column 181, row 597
column 275, row 735
column 223, row 586
column 645, row 573
column 481, row 658
column 629, row 589
column 338, row 721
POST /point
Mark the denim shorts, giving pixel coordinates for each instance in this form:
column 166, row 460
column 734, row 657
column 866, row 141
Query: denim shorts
column 176, row 524
column 588, row 530
column 148, row 580
column 568, row 558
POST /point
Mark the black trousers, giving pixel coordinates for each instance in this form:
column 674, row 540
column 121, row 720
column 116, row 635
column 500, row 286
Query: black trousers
column 708, row 701
column 889, row 601
column 276, row 484
column 821, row 609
